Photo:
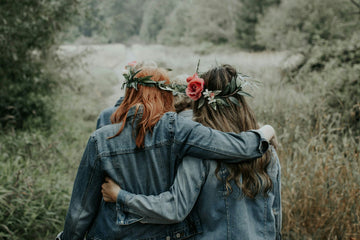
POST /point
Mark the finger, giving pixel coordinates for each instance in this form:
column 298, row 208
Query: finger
column 104, row 186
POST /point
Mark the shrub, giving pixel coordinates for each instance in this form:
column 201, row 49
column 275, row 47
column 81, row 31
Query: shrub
column 296, row 24
column 27, row 37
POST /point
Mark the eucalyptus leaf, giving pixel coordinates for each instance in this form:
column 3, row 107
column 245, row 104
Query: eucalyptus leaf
column 238, row 81
column 148, row 81
column 234, row 100
column 213, row 105
column 201, row 102
column 197, row 67
column 226, row 90
column 232, row 85
column 221, row 101
column 242, row 93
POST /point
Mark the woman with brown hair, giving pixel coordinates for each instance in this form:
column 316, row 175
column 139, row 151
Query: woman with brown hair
column 141, row 151
column 234, row 201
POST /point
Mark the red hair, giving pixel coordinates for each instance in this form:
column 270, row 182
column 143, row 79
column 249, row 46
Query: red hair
column 155, row 103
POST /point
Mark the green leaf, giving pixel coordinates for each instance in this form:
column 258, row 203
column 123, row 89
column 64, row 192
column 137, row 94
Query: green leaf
column 242, row 93
column 197, row 67
column 133, row 72
column 234, row 100
column 238, row 81
column 149, row 81
column 213, row 105
column 221, row 101
column 201, row 102
column 232, row 85
column 217, row 92
column 226, row 90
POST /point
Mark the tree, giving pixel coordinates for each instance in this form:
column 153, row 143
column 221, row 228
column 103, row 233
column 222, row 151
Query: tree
column 125, row 18
column 155, row 14
column 198, row 21
column 27, row 33
column 248, row 18
column 296, row 24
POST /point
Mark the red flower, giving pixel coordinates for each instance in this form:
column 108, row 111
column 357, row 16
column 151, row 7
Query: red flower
column 192, row 77
column 131, row 64
column 195, row 87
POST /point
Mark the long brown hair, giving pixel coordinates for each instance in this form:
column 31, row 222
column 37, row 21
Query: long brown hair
column 154, row 101
column 234, row 118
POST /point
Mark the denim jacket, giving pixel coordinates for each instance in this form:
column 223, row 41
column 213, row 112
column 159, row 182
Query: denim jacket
column 148, row 171
column 222, row 215
column 104, row 117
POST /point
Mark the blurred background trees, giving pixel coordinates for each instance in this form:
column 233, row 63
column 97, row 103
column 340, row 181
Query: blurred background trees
column 28, row 32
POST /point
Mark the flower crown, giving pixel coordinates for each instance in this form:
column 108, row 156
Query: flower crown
column 195, row 90
column 132, row 82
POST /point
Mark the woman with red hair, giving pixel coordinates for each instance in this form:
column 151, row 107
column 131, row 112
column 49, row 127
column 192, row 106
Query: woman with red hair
column 236, row 201
column 140, row 151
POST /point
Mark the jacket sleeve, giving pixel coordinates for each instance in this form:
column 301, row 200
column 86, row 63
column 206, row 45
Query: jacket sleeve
column 277, row 193
column 172, row 206
column 192, row 138
column 86, row 195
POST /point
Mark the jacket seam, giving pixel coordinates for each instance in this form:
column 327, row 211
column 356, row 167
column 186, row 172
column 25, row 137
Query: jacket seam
column 203, row 147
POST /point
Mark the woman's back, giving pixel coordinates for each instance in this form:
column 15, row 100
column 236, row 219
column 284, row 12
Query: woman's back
column 147, row 170
column 237, row 201
column 235, row 216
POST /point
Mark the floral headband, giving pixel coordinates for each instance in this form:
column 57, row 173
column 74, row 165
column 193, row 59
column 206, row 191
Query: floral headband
column 132, row 82
column 195, row 90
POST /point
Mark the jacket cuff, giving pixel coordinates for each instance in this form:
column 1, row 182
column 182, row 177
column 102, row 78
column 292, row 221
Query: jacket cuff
column 121, row 201
column 263, row 143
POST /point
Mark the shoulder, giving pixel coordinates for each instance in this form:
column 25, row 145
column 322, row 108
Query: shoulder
column 105, row 132
column 274, row 165
column 107, row 111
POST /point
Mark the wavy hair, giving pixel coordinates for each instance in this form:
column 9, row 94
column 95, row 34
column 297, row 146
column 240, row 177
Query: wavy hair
column 250, row 176
column 153, row 101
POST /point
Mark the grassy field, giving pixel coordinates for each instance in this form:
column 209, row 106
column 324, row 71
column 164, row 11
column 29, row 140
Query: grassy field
column 320, row 162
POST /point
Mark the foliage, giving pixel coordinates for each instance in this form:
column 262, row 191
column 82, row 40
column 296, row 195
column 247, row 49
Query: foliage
column 335, row 69
column 124, row 19
column 247, row 20
column 296, row 24
column 198, row 21
column 33, row 192
column 27, row 34
column 37, row 168
column 155, row 14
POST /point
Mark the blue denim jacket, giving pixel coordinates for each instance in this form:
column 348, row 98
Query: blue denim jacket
column 222, row 216
column 148, row 171
column 104, row 117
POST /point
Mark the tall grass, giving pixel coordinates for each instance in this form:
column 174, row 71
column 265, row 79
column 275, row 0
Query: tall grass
column 319, row 153
column 37, row 168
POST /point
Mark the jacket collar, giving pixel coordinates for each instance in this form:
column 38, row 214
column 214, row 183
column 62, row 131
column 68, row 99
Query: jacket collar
column 132, row 112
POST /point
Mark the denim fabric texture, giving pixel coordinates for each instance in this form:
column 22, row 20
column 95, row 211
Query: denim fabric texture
column 104, row 117
column 196, row 189
column 148, row 171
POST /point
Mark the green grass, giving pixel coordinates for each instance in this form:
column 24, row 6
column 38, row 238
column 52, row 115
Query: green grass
column 319, row 153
